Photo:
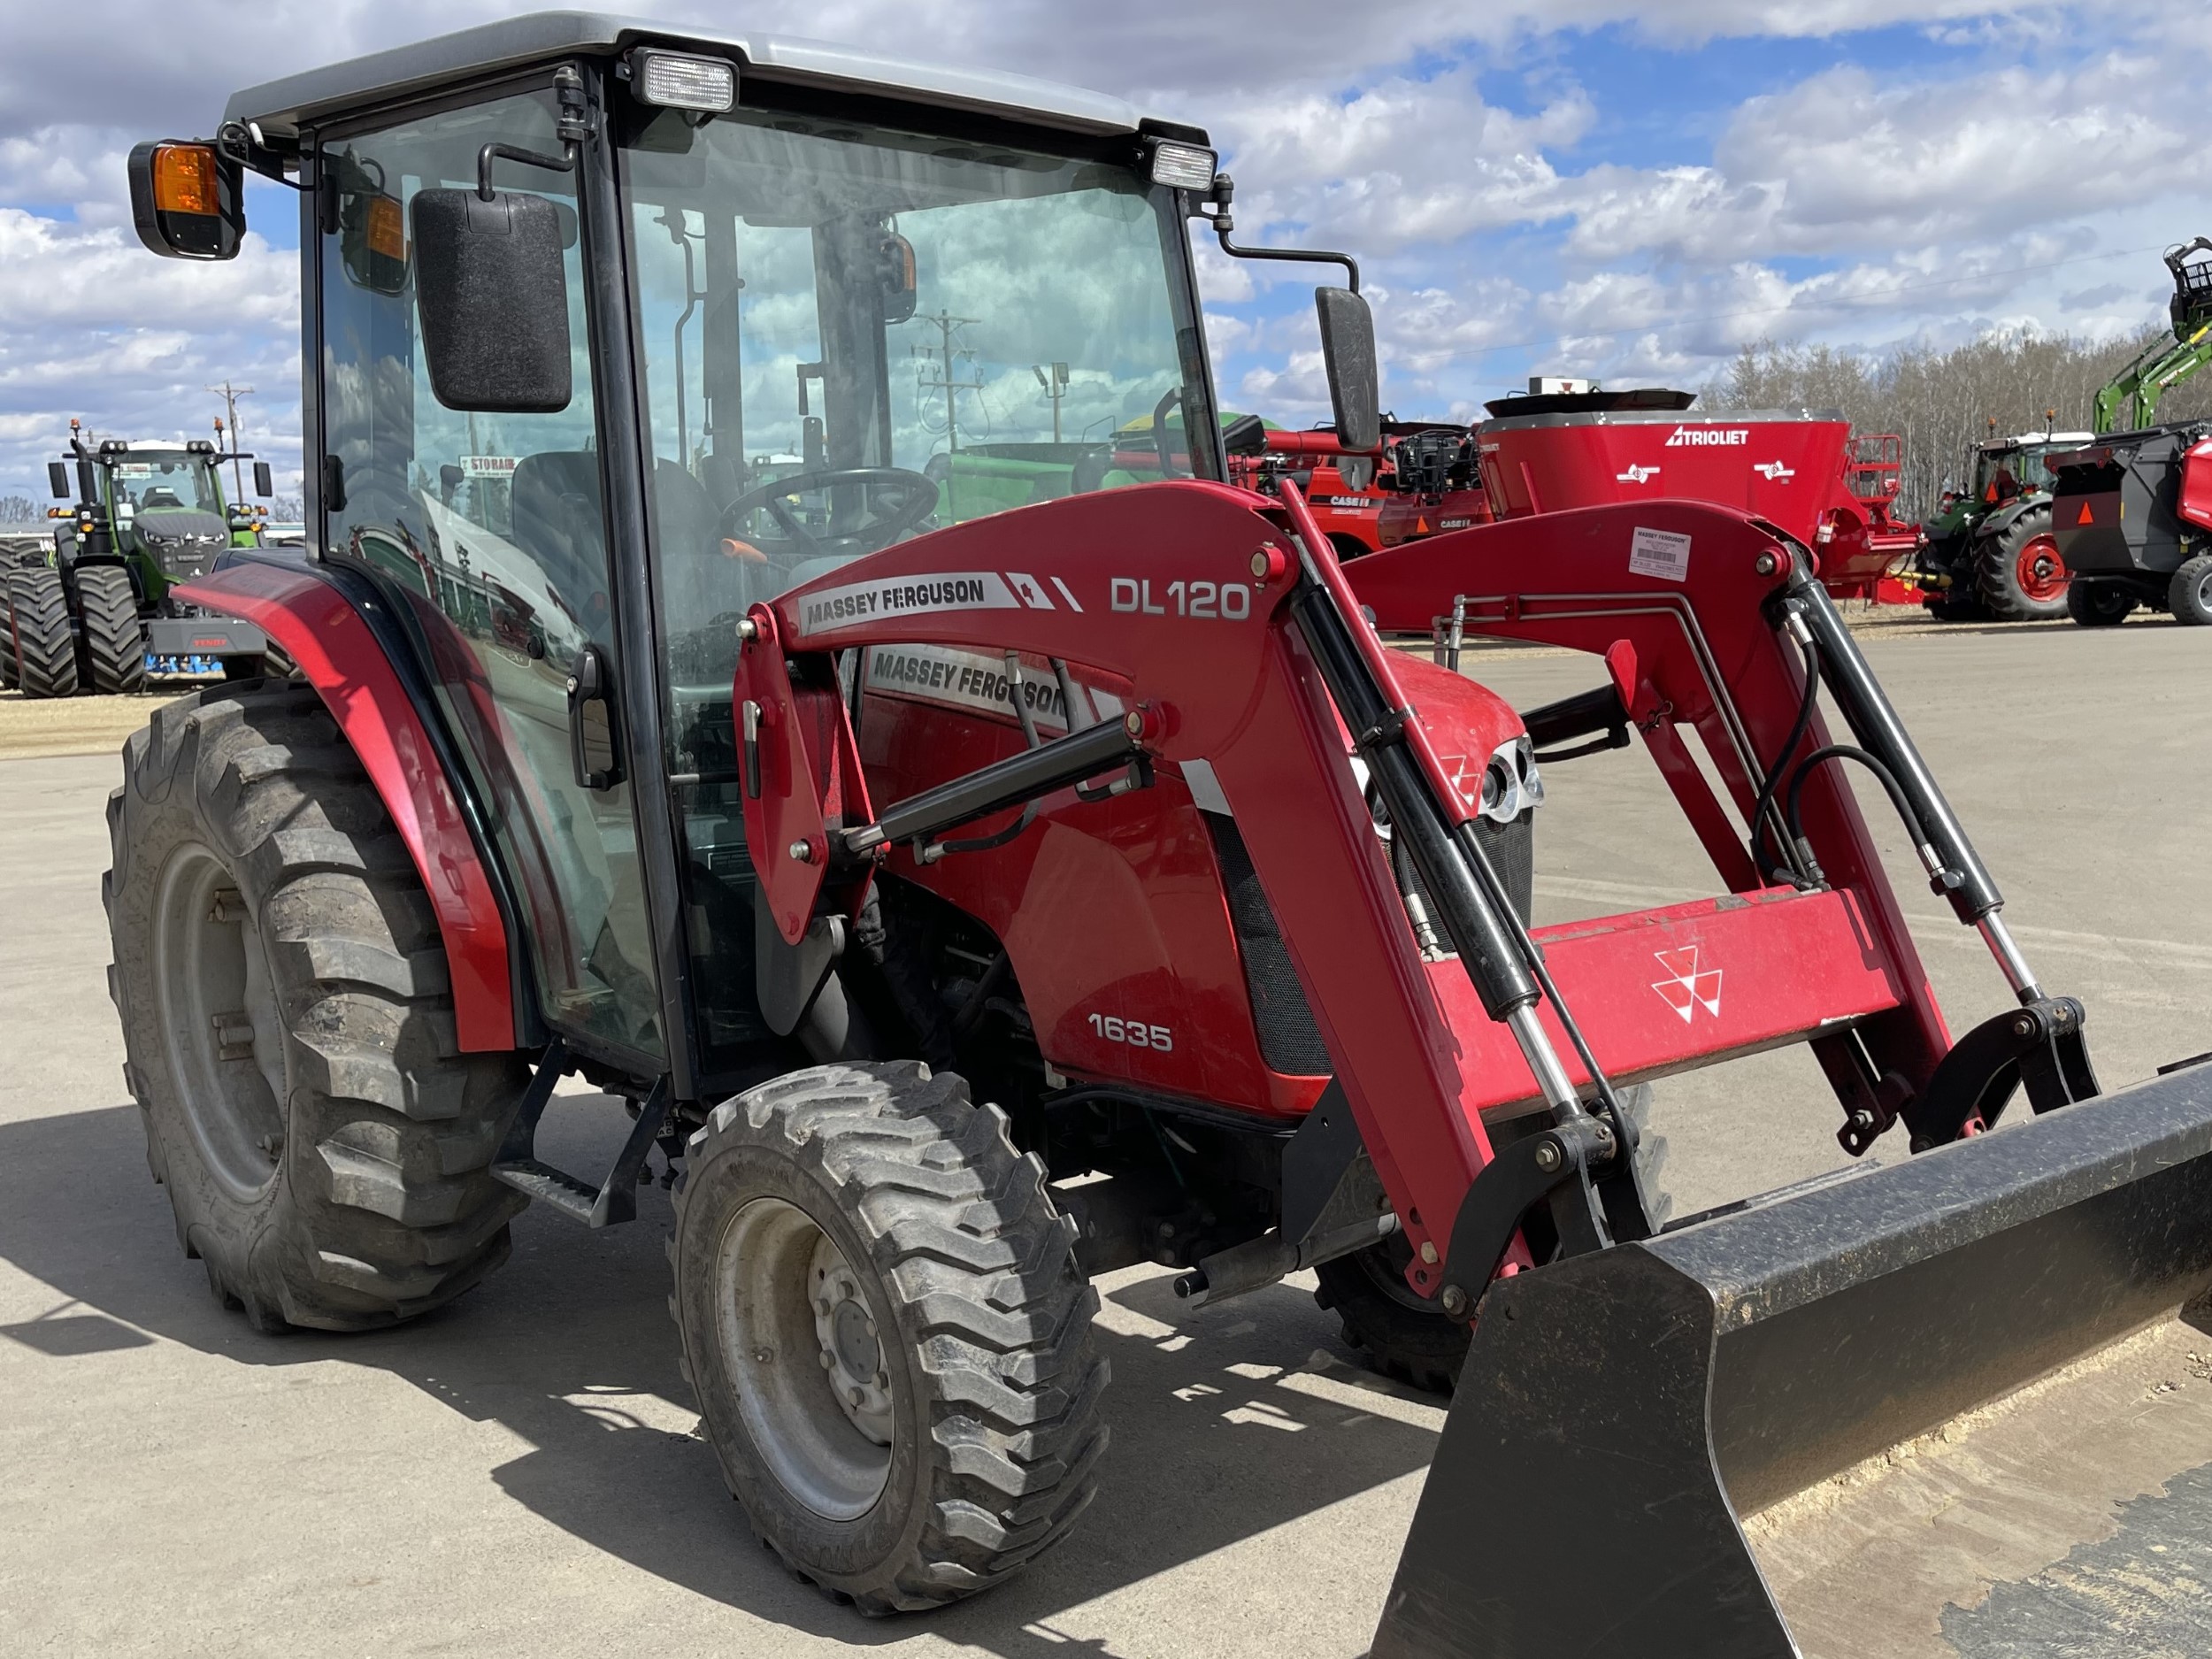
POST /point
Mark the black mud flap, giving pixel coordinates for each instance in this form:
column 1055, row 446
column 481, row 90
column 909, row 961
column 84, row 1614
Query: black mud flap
column 1619, row 1412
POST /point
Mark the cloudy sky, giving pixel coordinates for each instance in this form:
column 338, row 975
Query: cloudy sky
column 1590, row 187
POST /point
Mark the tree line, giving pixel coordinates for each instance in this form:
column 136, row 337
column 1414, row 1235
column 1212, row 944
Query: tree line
column 1943, row 403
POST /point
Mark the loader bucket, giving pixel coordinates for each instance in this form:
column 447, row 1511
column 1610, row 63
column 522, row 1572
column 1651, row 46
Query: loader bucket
column 1620, row 1411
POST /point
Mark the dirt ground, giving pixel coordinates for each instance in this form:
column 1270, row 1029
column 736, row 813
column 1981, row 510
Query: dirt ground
column 33, row 729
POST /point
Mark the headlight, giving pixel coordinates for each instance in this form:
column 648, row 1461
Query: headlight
column 677, row 81
column 1510, row 782
column 1183, row 166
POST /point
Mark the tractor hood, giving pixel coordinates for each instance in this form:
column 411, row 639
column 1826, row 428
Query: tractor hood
column 184, row 543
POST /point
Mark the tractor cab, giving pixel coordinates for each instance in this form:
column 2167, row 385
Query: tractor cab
column 719, row 340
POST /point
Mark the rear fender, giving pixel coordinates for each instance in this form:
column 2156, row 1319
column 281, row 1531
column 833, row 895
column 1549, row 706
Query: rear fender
column 342, row 657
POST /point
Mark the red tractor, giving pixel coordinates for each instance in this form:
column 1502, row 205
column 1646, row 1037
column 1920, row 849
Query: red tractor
column 967, row 908
column 1352, row 496
column 1435, row 487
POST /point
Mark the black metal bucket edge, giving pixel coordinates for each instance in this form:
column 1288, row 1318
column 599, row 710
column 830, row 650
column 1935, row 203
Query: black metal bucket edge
column 1617, row 1412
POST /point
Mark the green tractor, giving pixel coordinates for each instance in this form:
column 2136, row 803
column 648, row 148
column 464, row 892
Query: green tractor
column 97, row 611
column 1989, row 553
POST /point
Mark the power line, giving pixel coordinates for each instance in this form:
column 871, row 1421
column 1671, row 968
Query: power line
column 1847, row 301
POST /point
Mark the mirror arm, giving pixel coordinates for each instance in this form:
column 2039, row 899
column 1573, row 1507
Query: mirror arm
column 512, row 152
column 1222, row 193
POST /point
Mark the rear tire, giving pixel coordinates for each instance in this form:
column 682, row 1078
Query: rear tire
column 2189, row 595
column 45, row 652
column 2095, row 604
column 880, row 1191
column 288, row 1026
column 1407, row 1336
column 114, row 641
column 2019, row 572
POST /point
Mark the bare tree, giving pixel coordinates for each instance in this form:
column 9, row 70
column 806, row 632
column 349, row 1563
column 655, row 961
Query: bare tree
column 18, row 509
column 1944, row 402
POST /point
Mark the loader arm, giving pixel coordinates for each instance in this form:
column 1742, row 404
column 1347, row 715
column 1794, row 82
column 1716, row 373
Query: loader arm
column 1193, row 594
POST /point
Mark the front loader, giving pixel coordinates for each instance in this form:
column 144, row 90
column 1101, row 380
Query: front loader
column 807, row 815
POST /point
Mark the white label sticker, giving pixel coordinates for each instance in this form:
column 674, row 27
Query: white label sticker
column 906, row 596
column 1660, row 553
column 970, row 679
column 489, row 465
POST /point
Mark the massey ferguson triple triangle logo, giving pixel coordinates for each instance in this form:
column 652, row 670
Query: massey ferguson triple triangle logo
column 1686, row 989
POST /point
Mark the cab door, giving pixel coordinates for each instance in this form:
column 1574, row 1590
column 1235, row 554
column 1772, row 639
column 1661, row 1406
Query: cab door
column 489, row 531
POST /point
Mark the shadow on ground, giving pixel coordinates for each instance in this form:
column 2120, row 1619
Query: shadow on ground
column 569, row 1347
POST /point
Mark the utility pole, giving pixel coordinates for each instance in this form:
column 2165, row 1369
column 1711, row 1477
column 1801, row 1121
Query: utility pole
column 230, row 395
column 943, row 367
column 1056, row 385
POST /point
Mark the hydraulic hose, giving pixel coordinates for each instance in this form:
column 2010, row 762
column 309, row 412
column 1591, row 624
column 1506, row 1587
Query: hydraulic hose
column 1798, row 729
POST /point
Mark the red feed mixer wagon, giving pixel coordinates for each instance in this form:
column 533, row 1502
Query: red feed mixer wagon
column 1802, row 471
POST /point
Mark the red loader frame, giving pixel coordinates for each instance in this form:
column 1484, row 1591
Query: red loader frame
column 1239, row 635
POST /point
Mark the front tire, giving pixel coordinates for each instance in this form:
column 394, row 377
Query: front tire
column 1408, row 1336
column 45, row 652
column 114, row 641
column 902, row 1470
column 2095, row 604
column 2019, row 572
column 287, row 1023
column 2189, row 595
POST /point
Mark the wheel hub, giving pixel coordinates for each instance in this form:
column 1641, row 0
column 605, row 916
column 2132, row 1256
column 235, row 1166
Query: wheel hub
column 2042, row 573
column 800, row 1346
column 852, row 1357
column 220, row 1023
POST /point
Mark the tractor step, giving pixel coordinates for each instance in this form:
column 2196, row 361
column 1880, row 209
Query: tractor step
column 612, row 1201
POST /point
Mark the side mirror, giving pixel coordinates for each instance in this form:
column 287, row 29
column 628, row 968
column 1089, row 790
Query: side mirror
column 1348, row 351
column 1247, row 435
column 188, row 201
column 264, row 486
column 493, row 293
column 58, row 480
column 900, row 289
column 372, row 241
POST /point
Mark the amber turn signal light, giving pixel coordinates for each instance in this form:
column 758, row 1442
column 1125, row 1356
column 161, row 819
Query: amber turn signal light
column 184, row 179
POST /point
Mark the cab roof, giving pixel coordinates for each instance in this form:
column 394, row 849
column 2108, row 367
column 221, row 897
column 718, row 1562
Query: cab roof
column 320, row 94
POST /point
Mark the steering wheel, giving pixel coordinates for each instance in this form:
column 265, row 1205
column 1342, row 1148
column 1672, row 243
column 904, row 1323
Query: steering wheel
column 1174, row 397
column 913, row 498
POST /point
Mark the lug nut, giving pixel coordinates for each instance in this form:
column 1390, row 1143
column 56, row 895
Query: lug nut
column 829, row 1360
column 1455, row 1300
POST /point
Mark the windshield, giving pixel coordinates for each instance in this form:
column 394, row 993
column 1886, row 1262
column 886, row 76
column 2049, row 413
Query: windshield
column 851, row 335
column 167, row 483
column 2000, row 475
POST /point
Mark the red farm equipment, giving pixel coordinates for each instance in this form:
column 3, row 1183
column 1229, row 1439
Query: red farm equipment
column 1352, row 497
column 1803, row 471
column 807, row 822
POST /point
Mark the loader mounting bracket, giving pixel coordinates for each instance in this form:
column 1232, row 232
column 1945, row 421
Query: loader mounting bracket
column 2039, row 1043
column 1554, row 1165
column 612, row 1201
